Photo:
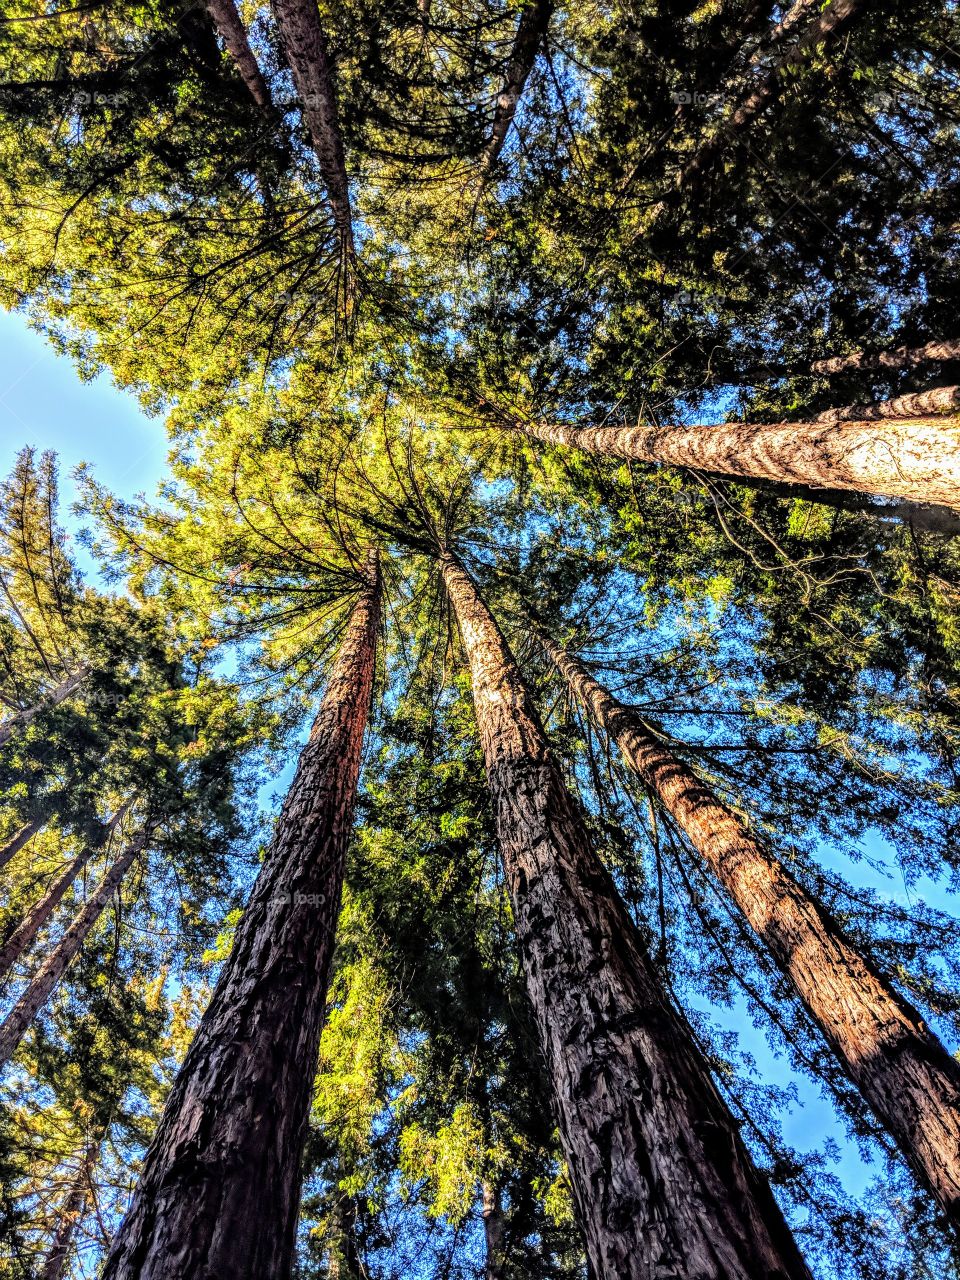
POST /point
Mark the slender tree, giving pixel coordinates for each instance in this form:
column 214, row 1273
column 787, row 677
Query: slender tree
column 895, row 1060
column 917, row 459
column 64, row 690
column 898, row 358
column 531, row 33
column 658, row 1169
column 58, row 1256
column 17, row 841
column 220, row 1188
column 230, row 28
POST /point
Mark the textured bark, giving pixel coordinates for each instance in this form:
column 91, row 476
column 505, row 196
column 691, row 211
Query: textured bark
column 343, row 1258
column 830, row 22
column 493, row 1233
column 306, row 48
column 918, row 404
column 662, row 1182
column 231, row 32
column 918, row 459
column 14, row 845
column 899, row 358
column 61, row 693
column 58, row 1258
column 220, row 1188
column 26, row 931
column 900, row 1067
column 531, row 31
column 51, row 971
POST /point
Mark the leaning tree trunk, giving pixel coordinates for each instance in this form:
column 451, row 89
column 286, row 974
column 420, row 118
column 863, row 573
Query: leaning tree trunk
column 916, row 404
column 57, row 1259
column 16, row 843
column 231, row 32
column 64, row 690
column 220, row 1188
column 26, row 932
column 306, row 48
column 51, row 971
column 531, row 31
column 918, row 459
column 662, row 1181
column 897, row 1063
column 898, row 358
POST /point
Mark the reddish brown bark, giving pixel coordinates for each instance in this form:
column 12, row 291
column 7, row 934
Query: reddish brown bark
column 220, row 1188
column 918, row 459
column 661, row 1179
column 61, row 693
column 305, row 45
column 16, row 843
column 898, row 1064
column 26, row 931
column 58, row 1258
column 898, row 358
column 231, row 32
column 51, row 971
column 918, row 404
column 531, row 31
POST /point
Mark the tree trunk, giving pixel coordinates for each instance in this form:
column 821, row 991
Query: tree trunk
column 51, row 971
column 26, row 932
column 917, row 459
column 900, row 1067
column 343, row 1261
column 231, row 32
column 56, row 1262
column 661, row 1179
column 493, row 1233
column 531, row 31
column 306, row 48
column 23, row 836
column 53, row 699
column 220, row 1188
column 918, row 404
column 899, row 358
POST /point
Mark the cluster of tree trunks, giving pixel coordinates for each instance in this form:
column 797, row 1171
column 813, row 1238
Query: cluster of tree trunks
column 220, row 1188
column 660, row 1175
column 900, row 1067
column 917, row 459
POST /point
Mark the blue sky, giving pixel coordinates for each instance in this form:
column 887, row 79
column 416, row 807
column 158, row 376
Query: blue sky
column 44, row 403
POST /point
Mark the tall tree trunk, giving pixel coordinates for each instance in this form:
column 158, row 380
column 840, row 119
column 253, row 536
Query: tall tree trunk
column 900, row 1067
column 16, row 843
column 64, row 690
column 231, row 32
column 26, row 932
column 898, row 358
column 661, row 1179
column 343, row 1260
column 917, row 404
column 51, row 971
column 58, row 1258
column 917, row 459
column 305, row 45
column 220, row 1188
column 531, row 31
column 493, row 1233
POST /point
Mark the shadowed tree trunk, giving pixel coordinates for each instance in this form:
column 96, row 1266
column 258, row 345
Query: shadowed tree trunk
column 900, row 1067
column 343, row 1260
column 51, row 971
column 26, row 932
column 662, row 1182
column 917, row 459
column 60, row 694
column 231, row 32
column 220, row 1189
column 305, row 45
column 14, row 845
column 531, row 32
column 898, row 358
column 58, row 1258
column 493, row 1233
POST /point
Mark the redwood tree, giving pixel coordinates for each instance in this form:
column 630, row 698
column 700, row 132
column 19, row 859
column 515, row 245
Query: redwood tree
column 658, row 1168
column 220, row 1188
